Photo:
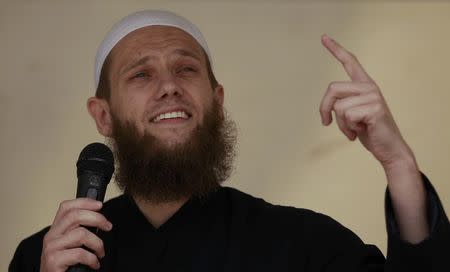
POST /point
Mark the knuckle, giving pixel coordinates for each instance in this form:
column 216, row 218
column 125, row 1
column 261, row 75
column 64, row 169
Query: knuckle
column 100, row 244
column 349, row 116
column 64, row 205
column 51, row 260
column 81, row 233
column 372, row 86
column 348, row 65
column 98, row 247
column 378, row 112
column 79, row 253
column 88, row 258
column 101, row 219
column 46, row 239
column 342, row 54
column 351, row 56
column 338, row 108
column 374, row 97
column 378, row 108
column 47, row 247
column 340, row 124
column 71, row 216
column 94, row 242
column 74, row 215
column 378, row 100
column 331, row 85
column 344, row 130
column 87, row 201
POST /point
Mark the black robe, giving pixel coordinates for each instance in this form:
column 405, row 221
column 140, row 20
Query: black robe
column 233, row 231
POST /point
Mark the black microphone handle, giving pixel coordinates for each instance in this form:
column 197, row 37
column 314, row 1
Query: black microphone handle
column 90, row 185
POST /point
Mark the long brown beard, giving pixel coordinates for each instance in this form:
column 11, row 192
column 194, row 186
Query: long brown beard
column 149, row 170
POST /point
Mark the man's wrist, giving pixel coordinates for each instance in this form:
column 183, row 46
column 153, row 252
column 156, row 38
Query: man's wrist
column 407, row 193
column 401, row 166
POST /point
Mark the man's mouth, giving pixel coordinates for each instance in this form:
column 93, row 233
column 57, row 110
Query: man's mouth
column 173, row 115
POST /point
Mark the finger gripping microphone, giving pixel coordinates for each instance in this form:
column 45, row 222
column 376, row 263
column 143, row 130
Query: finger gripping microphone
column 95, row 167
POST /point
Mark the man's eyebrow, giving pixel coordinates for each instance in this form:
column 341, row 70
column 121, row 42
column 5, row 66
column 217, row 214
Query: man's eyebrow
column 135, row 64
column 144, row 60
column 187, row 53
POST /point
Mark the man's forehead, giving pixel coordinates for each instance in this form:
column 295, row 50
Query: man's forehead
column 159, row 38
column 143, row 45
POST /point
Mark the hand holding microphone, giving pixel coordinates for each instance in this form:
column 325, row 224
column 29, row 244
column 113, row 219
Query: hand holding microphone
column 69, row 244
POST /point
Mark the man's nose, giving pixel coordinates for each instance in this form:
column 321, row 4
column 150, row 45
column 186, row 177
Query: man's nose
column 168, row 86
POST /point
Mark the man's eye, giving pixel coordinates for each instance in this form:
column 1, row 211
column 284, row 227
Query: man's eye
column 141, row 75
column 187, row 69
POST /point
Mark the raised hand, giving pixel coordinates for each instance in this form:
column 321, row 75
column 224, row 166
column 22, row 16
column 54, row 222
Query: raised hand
column 361, row 112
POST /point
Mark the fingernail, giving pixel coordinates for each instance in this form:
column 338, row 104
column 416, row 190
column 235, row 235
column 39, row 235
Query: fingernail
column 99, row 204
column 109, row 226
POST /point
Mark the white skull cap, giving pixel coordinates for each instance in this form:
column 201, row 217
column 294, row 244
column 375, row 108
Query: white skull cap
column 142, row 19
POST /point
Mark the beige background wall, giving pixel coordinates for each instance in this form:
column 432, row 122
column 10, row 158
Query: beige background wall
column 269, row 58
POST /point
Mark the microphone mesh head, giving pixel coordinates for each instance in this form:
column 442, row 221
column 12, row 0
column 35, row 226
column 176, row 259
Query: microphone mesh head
column 98, row 158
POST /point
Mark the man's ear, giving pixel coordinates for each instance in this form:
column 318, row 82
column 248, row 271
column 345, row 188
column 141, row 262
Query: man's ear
column 219, row 98
column 219, row 94
column 99, row 110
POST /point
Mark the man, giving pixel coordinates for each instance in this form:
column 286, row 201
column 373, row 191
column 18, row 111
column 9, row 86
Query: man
column 159, row 102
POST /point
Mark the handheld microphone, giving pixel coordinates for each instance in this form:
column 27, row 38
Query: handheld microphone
column 95, row 167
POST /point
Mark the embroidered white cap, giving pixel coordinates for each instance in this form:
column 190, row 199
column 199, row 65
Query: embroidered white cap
column 142, row 19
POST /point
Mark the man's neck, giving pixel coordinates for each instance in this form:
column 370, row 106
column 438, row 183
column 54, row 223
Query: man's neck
column 158, row 214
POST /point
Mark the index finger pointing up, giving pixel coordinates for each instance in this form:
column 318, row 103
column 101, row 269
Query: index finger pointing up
column 351, row 64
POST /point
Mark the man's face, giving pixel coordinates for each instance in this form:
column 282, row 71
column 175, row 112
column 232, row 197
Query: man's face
column 168, row 128
column 159, row 82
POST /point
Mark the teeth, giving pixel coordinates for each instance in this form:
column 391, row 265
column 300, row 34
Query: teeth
column 170, row 115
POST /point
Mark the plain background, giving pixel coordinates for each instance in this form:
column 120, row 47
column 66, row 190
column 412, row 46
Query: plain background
column 268, row 56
